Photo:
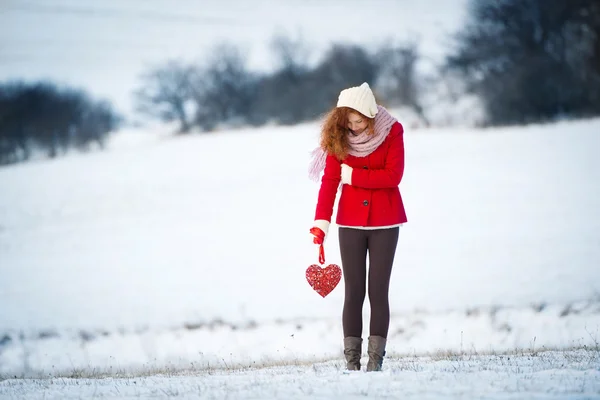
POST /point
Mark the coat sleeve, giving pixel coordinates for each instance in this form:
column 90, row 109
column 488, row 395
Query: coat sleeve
column 329, row 187
column 391, row 174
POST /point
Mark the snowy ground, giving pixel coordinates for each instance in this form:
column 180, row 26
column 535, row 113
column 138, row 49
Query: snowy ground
column 195, row 229
column 224, row 345
column 186, row 253
column 544, row 375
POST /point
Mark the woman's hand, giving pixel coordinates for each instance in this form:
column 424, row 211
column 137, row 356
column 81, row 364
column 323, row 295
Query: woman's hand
column 346, row 174
column 319, row 231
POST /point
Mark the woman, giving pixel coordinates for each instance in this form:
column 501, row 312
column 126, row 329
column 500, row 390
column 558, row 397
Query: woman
column 362, row 147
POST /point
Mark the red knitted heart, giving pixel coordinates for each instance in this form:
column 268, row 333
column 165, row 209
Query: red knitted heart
column 323, row 280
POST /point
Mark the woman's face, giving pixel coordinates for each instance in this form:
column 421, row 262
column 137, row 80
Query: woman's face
column 356, row 123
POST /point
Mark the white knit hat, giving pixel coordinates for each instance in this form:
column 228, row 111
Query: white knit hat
column 359, row 98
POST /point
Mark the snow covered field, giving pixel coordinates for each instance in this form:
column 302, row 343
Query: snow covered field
column 548, row 375
column 183, row 253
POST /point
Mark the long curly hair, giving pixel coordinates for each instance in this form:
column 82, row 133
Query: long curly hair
column 334, row 131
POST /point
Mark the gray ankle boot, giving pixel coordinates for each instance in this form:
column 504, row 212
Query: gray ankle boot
column 352, row 351
column 376, row 351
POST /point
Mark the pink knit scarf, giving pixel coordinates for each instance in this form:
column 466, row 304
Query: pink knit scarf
column 361, row 145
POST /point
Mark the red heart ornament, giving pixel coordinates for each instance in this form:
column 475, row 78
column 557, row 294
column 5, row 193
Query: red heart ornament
column 323, row 280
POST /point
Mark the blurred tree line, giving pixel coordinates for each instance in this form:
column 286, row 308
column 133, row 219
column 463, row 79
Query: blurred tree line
column 224, row 90
column 43, row 116
column 531, row 60
column 526, row 60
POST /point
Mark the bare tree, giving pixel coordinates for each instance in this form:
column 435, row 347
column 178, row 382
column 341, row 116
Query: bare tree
column 51, row 118
column 94, row 122
column 291, row 54
column 398, row 81
column 15, row 145
column 225, row 89
column 282, row 96
column 166, row 93
column 342, row 66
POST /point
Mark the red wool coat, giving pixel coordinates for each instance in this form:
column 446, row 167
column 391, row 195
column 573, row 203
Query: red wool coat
column 373, row 199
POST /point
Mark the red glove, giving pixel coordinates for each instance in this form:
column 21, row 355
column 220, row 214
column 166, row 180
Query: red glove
column 319, row 238
column 323, row 227
column 318, row 235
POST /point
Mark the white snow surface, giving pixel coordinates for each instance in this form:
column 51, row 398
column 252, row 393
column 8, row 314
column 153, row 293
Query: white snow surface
column 205, row 227
column 187, row 254
column 548, row 375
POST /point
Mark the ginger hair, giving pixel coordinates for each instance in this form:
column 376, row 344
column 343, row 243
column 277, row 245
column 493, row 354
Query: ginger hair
column 334, row 131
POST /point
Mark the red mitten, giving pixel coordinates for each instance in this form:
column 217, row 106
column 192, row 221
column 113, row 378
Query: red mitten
column 319, row 238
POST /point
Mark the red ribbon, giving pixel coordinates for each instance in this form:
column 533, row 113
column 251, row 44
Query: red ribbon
column 319, row 238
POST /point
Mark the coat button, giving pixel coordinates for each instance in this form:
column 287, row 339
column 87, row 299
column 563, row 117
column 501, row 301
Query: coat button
column 365, row 203
column 365, row 167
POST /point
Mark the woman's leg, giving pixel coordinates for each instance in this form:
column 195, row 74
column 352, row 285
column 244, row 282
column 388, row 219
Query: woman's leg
column 382, row 248
column 353, row 250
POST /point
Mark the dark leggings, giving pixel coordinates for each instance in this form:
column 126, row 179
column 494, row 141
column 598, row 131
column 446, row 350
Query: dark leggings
column 381, row 246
